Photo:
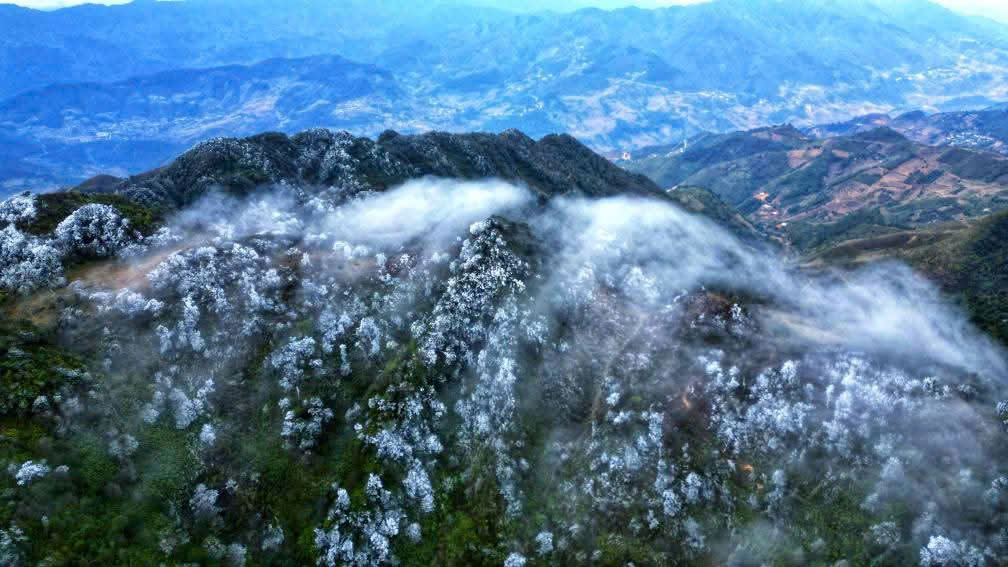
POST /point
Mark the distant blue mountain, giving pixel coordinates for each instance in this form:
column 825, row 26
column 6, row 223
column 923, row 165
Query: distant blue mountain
column 737, row 45
column 618, row 80
column 62, row 133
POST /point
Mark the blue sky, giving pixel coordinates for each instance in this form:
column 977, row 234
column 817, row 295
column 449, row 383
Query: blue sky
column 997, row 9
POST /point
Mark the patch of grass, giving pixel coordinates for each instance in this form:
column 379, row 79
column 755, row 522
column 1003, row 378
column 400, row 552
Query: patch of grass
column 170, row 464
column 974, row 267
column 618, row 550
column 93, row 466
column 834, row 514
column 921, row 178
column 467, row 525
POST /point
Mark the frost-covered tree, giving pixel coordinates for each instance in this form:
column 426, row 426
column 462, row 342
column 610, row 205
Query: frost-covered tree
column 204, row 502
column 11, row 540
column 291, row 360
column 19, row 208
column 27, row 263
column 515, row 559
column 96, row 231
column 943, row 552
column 360, row 537
column 544, row 543
column 303, row 426
column 661, row 419
column 30, row 471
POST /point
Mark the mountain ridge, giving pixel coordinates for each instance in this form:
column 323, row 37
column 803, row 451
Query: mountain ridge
column 985, row 129
column 554, row 165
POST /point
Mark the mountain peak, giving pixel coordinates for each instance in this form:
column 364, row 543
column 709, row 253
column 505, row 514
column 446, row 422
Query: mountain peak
column 555, row 165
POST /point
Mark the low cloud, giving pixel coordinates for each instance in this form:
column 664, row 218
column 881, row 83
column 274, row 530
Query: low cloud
column 431, row 208
column 886, row 310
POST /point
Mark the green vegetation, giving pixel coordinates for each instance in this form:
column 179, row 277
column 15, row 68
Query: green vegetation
column 84, row 517
column 867, row 178
column 704, row 202
column 52, row 208
column 31, row 367
column 973, row 265
column 802, row 178
column 808, row 235
column 732, row 165
column 975, row 165
column 807, row 180
column 920, row 178
column 881, row 134
column 625, row 448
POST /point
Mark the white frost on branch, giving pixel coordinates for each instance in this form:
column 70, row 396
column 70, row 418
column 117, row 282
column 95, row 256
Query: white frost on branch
column 19, row 208
column 27, row 263
column 95, row 231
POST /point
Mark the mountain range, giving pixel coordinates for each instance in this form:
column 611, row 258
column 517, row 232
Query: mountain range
column 780, row 175
column 122, row 88
column 981, row 129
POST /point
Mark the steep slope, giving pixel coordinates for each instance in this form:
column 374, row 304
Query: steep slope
column 309, row 351
column 705, row 203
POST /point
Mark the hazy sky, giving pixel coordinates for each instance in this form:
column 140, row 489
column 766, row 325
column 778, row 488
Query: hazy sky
column 997, row 9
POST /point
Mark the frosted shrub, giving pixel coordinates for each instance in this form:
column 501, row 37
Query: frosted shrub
column 289, row 361
column 18, row 208
column 943, row 552
column 204, row 502
column 360, row 537
column 273, row 538
column 10, row 551
column 29, row 471
column 208, row 435
column 544, row 543
column 515, row 560
column 27, row 263
column 236, row 555
column 303, row 431
column 97, row 231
